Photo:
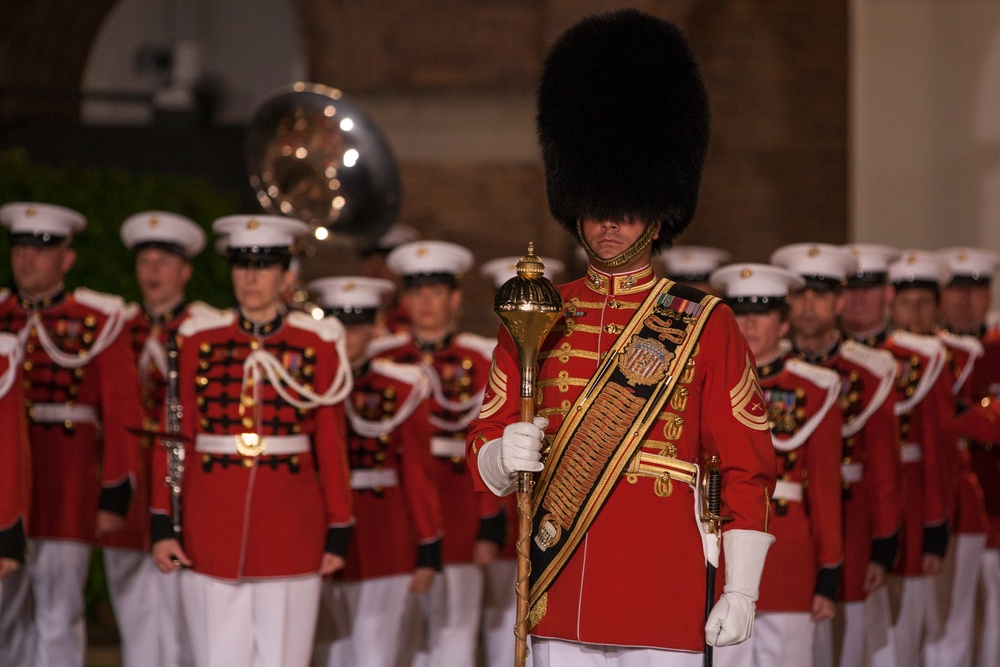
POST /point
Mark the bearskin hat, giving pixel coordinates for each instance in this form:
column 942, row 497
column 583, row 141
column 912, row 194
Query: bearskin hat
column 623, row 123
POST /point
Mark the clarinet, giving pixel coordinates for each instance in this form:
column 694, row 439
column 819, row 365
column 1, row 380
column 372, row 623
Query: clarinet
column 175, row 444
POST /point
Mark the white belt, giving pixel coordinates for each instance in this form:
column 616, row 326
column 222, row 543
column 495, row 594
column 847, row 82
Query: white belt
column 851, row 472
column 911, row 453
column 787, row 491
column 382, row 478
column 54, row 413
column 447, row 447
column 271, row 444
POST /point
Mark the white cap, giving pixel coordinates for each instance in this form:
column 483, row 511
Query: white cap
column 822, row 262
column 260, row 231
column 919, row 268
column 46, row 222
column 502, row 269
column 873, row 261
column 351, row 293
column 970, row 265
column 755, row 280
column 429, row 259
column 692, row 262
column 395, row 236
column 159, row 228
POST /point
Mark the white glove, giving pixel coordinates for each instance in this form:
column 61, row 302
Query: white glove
column 519, row 450
column 731, row 619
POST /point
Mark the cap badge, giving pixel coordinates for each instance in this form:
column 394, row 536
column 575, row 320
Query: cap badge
column 349, row 287
column 911, row 258
column 30, row 212
column 253, row 223
column 154, row 221
column 813, row 251
column 962, row 257
column 746, row 273
column 422, row 251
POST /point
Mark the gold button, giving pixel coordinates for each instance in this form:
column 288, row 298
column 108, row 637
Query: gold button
column 466, row 364
column 254, row 344
column 28, row 365
column 247, row 422
column 309, row 353
column 201, row 381
column 205, row 347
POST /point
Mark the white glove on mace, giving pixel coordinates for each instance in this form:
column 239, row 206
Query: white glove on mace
column 731, row 619
column 518, row 450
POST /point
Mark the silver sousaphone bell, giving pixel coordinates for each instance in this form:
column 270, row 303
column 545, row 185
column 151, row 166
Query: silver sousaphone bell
column 313, row 154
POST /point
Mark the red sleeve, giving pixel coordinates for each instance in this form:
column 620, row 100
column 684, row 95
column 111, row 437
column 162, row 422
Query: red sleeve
column 418, row 481
column 121, row 409
column 330, row 445
column 823, row 489
column 735, row 428
column 501, row 405
column 882, row 475
column 939, row 443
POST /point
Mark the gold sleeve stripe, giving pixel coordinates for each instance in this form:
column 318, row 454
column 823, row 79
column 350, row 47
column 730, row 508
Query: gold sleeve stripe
column 572, row 326
column 498, row 386
column 746, row 392
column 565, row 351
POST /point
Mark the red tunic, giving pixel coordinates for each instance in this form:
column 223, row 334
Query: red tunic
column 266, row 516
column 925, row 407
column 15, row 460
column 459, row 365
column 87, row 458
column 638, row 576
column 398, row 526
column 870, row 474
column 148, row 336
column 808, row 553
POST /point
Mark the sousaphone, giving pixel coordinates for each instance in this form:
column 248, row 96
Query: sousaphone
column 313, row 154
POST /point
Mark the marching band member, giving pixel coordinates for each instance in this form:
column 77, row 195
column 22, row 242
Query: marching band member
column 457, row 364
column 81, row 391
column 637, row 381
column 15, row 460
column 396, row 546
column 692, row 265
column 802, row 574
column 266, row 505
column 965, row 302
column 870, row 480
column 146, row 603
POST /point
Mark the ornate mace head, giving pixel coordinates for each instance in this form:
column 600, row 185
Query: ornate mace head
column 528, row 305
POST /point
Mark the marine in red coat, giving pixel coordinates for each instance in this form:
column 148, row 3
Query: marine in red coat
column 266, row 503
column 802, row 574
column 396, row 548
column 81, row 391
column 457, row 365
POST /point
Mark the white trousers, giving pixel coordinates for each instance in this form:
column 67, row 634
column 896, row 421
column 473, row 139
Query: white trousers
column 989, row 634
column 500, row 614
column 779, row 639
column 558, row 653
column 147, row 609
column 43, row 606
column 361, row 622
column 442, row 625
column 879, row 643
column 951, row 613
column 907, row 631
column 270, row 623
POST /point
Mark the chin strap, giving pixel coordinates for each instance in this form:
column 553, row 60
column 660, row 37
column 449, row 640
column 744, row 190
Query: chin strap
column 622, row 257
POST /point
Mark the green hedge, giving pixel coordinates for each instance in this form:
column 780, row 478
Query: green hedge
column 106, row 196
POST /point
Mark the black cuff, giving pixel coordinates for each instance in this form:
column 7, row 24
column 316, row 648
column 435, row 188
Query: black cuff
column 161, row 527
column 884, row 550
column 494, row 528
column 12, row 542
column 828, row 581
column 115, row 498
column 429, row 555
column 337, row 539
column 936, row 539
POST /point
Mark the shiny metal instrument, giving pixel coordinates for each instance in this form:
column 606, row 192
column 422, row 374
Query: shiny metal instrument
column 172, row 435
column 313, row 154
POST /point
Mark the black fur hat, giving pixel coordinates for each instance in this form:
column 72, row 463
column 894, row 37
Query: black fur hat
column 623, row 122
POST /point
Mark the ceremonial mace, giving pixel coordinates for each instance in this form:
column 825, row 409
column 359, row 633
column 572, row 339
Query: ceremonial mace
column 528, row 305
